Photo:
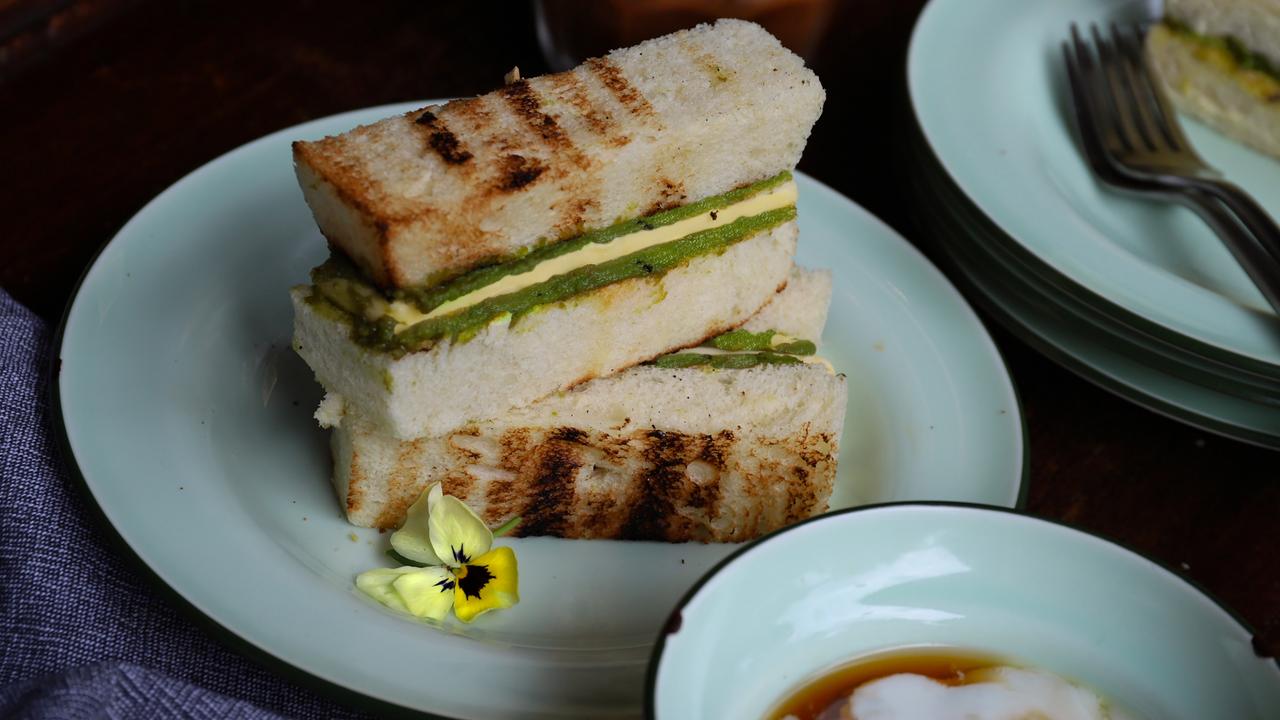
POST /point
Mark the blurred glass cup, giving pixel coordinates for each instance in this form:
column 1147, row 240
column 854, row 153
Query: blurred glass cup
column 570, row 31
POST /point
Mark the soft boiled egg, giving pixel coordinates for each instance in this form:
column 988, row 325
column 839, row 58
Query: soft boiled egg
column 997, row 693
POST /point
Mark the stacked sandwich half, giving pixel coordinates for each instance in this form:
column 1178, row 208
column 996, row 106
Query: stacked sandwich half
column 573, row 300
column 1220, row 61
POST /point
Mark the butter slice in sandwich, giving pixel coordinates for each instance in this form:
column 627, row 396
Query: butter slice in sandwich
column 774, row 198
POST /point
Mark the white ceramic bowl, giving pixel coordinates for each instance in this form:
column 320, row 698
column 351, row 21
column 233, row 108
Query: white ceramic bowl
column 811, row 597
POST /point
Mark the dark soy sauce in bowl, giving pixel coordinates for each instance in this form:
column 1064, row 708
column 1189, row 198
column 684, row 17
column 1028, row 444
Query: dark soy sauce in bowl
column 821, row 696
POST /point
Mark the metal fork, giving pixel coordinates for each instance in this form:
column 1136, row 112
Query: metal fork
column 1108, row 134
column 1151, row 140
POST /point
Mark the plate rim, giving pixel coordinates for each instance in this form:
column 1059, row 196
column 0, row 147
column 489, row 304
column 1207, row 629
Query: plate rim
column 1019, row 499
column 1120, row 384
column 334, row 688
column 1024, row 326
column 220, row 632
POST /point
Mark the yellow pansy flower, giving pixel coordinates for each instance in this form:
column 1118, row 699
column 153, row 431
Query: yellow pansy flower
column 459, row 570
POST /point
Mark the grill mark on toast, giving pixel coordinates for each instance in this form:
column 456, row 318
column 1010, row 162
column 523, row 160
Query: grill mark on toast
column 656, row 498
column 474, row 118
column 506, row 499
column 573, row 216
column 471, row 110
column 653, row 507
column 627, row 94
column 707, row 495
column 525, row 104
column 551, row 491
column 401, row 485
column 570, row 88
column 603, row 493
column 497, row 172
column 670, row 194
column 517, row 171
column 393, row 514
column 458, row 484
column 441, row 139
column 356, row 482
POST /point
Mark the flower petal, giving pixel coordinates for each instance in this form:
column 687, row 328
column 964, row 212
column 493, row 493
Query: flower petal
column 457, row 533
column 490, row 582
column 413, row 539
column 434, row 493
column 377, row 584
column 427, row 593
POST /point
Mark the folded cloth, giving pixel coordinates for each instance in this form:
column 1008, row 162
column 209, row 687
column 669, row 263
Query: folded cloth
column 82, row 633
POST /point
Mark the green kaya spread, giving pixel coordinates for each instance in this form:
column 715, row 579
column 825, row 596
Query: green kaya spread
column 749, row 350
column 339, row 289
column 1245, row 58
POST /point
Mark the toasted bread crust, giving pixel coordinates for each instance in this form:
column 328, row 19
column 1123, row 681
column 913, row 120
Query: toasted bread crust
column 640, row 485
column 420, row 197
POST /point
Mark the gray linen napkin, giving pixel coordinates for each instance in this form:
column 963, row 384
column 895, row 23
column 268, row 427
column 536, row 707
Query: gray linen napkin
column 82, row 633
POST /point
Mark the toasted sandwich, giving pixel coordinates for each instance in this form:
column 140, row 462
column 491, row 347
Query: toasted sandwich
column 494, row 250
column 1219, row 60
column 705, row 444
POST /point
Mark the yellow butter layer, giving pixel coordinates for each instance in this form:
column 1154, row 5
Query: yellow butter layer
column 594, row 254
column 411, row 319
column 1251, row 71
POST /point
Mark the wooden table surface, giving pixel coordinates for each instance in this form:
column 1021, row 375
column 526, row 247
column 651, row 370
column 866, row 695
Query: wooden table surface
column 105, row 114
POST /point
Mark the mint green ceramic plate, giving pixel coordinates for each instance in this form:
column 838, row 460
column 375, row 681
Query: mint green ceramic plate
column 988, row 89
column 1056, row 322
column 189, row 418
column 1122, row 364
column 829, row 590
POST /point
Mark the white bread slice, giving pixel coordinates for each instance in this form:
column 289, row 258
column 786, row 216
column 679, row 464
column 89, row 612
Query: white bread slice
column 799, row 309
column 555, row 347
column 647, row 454
column 1212, row 94
column 426, row 195
column 1255, row 23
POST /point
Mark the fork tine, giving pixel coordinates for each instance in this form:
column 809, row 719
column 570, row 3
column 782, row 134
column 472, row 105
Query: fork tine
column 1137, row 84
column 1164, row 113
column 1085, row 118
column 1096, row 91
column 1121, row 105
column 1092, row 94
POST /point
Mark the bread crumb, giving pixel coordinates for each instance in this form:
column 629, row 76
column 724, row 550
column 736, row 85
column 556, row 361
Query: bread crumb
column 331, row 410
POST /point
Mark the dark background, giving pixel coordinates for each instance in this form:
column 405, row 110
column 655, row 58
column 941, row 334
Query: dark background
column 103, row 104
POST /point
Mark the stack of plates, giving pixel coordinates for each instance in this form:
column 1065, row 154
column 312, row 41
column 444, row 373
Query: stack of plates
column 1137, row 296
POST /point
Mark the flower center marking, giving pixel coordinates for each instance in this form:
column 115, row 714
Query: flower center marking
column 460, row 555
column 472, row 579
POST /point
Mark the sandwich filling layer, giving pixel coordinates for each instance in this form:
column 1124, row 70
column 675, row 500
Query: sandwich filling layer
column 1254, row 71
column 738, row 349
column 414, row 319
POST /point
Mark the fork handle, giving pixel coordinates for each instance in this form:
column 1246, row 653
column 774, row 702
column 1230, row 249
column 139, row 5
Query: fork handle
column 1262, row 267
column 1250, row 213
